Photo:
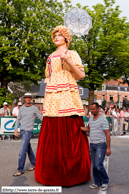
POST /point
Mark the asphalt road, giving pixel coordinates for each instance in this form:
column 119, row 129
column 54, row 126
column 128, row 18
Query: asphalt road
column 118, row 168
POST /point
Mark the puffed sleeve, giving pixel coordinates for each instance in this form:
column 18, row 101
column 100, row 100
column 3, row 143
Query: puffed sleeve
column 76, row 59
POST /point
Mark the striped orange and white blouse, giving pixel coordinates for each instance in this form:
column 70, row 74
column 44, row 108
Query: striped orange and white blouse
column 62, row 94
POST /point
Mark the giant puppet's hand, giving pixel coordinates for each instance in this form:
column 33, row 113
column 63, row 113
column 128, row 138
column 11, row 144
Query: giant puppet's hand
column 64, row 56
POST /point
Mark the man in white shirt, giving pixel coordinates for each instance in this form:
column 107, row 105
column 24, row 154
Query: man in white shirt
column 5, row 111
column 115, row 121
column 16, row 109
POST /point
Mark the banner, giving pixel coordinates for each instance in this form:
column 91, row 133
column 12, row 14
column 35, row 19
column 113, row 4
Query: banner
column 7, row 125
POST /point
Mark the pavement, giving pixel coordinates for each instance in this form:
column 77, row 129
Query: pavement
column 118, row 168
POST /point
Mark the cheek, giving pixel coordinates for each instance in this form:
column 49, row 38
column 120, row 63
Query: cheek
column 62, row 39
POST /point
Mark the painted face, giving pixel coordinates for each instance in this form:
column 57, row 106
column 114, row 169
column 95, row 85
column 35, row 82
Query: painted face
column 94, row 110
column 59, row 39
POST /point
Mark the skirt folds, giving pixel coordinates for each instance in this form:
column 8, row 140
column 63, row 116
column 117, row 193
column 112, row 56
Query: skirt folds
column 62, row 157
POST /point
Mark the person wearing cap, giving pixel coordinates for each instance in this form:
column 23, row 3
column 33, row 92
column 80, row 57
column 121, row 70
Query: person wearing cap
column 16, row 109
column 62, row 157
column 26, row 116
column 5, row 111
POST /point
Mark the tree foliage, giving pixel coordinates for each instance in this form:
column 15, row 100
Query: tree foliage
column 25, row 37
column 17, row 88
column 25, row 41
column 105, row 49
column 27, row 85
column 20, row 88
column 5, row 96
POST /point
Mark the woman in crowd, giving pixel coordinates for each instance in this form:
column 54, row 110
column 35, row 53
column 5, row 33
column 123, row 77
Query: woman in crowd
column 63, row 151
column 111, row 105
column 41, row 109
column 107, row 115
column 106, row 111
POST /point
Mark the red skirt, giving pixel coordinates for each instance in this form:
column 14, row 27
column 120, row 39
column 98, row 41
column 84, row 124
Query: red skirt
column 63, row 152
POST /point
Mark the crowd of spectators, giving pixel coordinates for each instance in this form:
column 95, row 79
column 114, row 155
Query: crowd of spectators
column 118, row 118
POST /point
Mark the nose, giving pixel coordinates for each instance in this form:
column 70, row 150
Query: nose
column 56, row 37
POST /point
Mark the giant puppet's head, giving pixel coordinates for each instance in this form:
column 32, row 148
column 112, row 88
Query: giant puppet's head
column 65, row 32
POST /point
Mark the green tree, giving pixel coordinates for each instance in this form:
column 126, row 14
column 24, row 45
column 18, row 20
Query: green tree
column 25, row 37
column 105, row 48
column 17, row 89
column 5, row 96
column 20, row 88
column 27, row 85
column 125, row 76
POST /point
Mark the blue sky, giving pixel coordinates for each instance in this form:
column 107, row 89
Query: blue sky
column 124, row 5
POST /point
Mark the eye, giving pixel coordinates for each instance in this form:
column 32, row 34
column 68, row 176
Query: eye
column 55, row 36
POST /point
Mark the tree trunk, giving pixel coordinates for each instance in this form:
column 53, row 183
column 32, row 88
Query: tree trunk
column 4, row 83
column 91, row 98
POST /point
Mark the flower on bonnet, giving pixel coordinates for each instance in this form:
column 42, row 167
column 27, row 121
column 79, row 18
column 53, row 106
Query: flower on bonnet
column 65, row 32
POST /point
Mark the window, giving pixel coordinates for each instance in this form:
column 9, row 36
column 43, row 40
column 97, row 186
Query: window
column 81, row 91
column 111, row 97
column 103, row 97
column 126, row 98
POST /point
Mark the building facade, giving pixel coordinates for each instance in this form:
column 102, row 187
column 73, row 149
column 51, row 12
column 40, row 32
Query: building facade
column 114, row 91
